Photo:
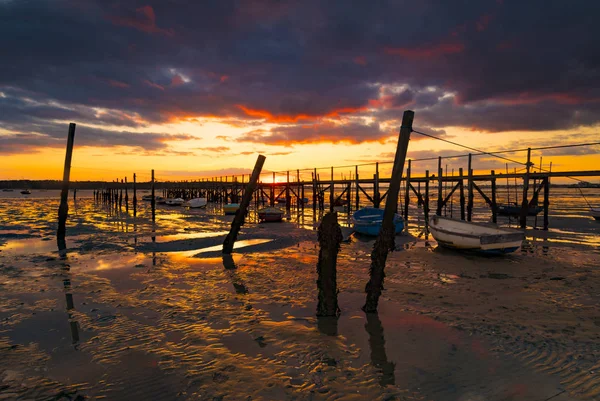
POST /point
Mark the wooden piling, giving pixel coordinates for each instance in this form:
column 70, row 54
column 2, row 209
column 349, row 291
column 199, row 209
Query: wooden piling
column 426, row 203
column 134, row 196
column 461, row 188
column 330, row 237
column 546, row 201
column 331, row 192
column 407, row 195
column 494, row 203
column 376, row 194
column 470, row 191
column 153, row 201
column 126, row 197
column 240, row 215
column 439, row 197
column 357, row 189
column 288, row 200
column 63, row 209
column 525, row 202
column 385, row 240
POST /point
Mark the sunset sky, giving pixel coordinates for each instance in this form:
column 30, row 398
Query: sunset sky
column 198, row 89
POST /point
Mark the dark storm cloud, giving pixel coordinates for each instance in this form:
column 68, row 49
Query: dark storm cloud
column 294, row 62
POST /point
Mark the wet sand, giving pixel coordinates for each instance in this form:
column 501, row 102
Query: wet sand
column 127, row 317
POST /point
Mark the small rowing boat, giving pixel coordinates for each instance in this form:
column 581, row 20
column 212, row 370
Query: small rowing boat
column 231, row 208
column 26, row 192
column 197, row 203
column 466, row 235
column 174, row 201
column 515, row 210
column 368, row 221
column 270, row 214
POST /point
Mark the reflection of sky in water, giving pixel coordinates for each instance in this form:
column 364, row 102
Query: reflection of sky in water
column 217, row 248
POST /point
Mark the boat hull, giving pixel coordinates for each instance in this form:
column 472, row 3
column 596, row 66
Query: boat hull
column 367, row 221
column 270, row 214
column 515, row 211
column 231, row 208
column 174, row 202
column 463, row 235
column 197, row 203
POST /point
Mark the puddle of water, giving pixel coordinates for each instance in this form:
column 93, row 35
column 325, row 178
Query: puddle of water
column 175, row 237
column 28, row 246
column 237, row 245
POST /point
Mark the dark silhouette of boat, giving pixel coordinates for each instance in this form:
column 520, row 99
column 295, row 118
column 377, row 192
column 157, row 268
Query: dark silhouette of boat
column 26, row 192
column 515, row 210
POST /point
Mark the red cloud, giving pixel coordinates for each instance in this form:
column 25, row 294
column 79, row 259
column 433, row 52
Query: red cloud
column 117, row 84
column 144, row 20
column 177, row 80
column 427, row 52
column 286, row 118
column 360, row 60
column 153, row 85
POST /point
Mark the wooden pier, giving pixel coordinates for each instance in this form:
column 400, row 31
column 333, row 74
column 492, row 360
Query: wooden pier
column 322, row 191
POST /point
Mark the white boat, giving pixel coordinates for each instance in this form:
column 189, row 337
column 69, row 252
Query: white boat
column 595, row 212
column 196, row 202
column 270, row 214
column 467, row 235
column 174, row 201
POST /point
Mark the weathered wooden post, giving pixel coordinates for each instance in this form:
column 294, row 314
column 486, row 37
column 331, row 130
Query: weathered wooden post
column 546, row 200
column 63, row 209
column 331, row 192
column 272, row 203
column 134, row 196
column 426, row 203
column 494, row 204
column 74, row 194
column 314, row 191
column 439, row 198
column 470, row 191
column 330, row 237
column 153, row 202
column 385, row 240
column 288, row 199
column 376, row 195
column 525, row 202
column 407, row 195
column 357, row 201
column 461, row 188
column 126, row 197
column 240, row 215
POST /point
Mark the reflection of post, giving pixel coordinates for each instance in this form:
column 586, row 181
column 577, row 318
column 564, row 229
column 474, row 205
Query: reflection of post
column 330, row 237
column 238, row 220
column 63, row 209
column 385, row 240
column 328, row 325
column 70, row 306
column 238, row 284
column 378, row 354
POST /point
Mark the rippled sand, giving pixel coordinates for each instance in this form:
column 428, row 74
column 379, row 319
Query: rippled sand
column 155, row 313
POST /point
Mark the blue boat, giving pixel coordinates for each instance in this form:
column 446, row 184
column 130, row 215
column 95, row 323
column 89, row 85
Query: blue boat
column 368, row 221
column 515, row 210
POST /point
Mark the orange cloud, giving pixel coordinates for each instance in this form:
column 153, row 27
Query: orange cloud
column 144, row 20
column 426, row 52
column 286, row 118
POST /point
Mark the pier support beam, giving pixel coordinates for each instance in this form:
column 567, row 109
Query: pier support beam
column 240, row 215
column 385, row 240
column 63, row 209
column 461, row 188
column 525, row 201
column 470, row 191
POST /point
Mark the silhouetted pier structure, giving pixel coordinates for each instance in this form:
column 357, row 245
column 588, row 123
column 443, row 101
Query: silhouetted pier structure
column 337, row 188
